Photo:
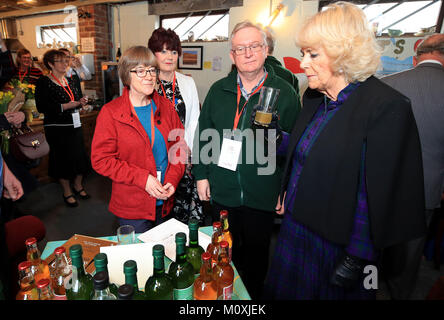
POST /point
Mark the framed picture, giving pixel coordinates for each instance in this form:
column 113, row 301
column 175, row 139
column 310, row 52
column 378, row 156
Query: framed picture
column 191, row 58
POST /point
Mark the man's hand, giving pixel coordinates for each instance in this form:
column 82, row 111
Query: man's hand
column 203, row 189
column 12, row 187
column 76, row 62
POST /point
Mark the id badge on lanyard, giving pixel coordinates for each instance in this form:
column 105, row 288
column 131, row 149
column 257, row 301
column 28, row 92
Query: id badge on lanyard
column 76, row 119
column 230, row 151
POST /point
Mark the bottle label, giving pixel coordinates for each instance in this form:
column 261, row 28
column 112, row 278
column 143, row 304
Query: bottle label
column 183, row 294
column 227, row 292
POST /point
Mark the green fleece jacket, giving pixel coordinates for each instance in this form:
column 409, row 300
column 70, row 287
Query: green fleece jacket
column 283, row 72
column 243, row 187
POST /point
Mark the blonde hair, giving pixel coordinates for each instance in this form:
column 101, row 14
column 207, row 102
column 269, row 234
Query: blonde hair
column 342, row 30
column 247, row 24
column 131, row 58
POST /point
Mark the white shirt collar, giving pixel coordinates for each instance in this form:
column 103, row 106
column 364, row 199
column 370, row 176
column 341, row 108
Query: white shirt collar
column 430, row 61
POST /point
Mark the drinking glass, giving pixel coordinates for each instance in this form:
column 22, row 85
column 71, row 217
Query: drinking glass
column 126, row 234
column 266, row 106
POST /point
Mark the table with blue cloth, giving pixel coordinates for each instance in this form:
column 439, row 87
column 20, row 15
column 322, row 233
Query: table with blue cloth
column 238, row 286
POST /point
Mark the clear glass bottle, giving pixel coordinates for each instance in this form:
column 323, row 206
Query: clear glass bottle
column 224, row 273
column 181, row 271
column 28, row 289
column 101, row 264
column 130, row 271
column 125, row 292
column 213, row 247
column 101, row 290
column 61, row 274
column 205, row 285
column 80, row 286
column 160, row 285
column 194, row 250
column 45, row 290
column 226, row 234
column 40, row 268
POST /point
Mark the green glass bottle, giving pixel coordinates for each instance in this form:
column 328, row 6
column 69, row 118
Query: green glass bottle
column 80, row 286
column 194, row 250
column 101, row 264
column 160, row 285
column 181, row 271
column 130, row 271
column 101, row 289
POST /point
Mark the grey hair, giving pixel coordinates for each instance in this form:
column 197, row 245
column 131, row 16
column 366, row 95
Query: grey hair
column 247, row 24
column 428, row 46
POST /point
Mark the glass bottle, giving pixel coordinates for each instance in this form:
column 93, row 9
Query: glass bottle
column 28, row 289
column 213, row 247
column 45, row 290
column 224, row 273
column 194, row 250
column 130, row 271
column 101, row 264
column 160, row 285
column 205, row 286
column 226, row 234
column 80, row 286
column 125, row 292
column 61, row 274
column 101, row 290
column 181, row 271
column 39, row 268
column 118, row 53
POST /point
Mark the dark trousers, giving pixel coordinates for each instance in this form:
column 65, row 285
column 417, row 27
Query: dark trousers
column 401, row 265
column 143, row 225
column 251, row 230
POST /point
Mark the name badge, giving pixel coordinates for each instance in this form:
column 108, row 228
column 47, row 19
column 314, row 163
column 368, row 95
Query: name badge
column 159, row 176
column 76, row 119
column 229, row 154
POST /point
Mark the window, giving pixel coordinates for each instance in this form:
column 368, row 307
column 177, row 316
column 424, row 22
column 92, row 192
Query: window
column 61, row 34
column 198, row 26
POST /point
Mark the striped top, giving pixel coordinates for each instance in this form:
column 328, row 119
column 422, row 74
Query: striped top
column 30, row 76
column 360, row 243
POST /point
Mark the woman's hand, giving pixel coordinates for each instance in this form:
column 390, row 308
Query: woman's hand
column 280, row 208
column 84, row 100
column 12, row 186
column 15, row 118
column 71, row 105
column 169, row 188
column 203, row 189
column 155, row 188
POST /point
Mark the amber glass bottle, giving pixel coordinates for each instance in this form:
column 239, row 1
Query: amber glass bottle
column 213, row 247
column 62, row 273
column 45, row 290
column 224, row 273
column 226, row 234
column 28, row 289
column 40, row 268
column 205, row 284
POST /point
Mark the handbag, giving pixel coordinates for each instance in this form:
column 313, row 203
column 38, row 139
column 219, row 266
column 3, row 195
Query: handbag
column 27, row 145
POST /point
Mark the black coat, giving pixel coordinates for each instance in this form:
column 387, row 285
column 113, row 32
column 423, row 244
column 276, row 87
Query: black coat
column 327, row 189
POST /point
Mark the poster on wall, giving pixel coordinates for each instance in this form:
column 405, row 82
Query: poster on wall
column 191, row 57
column 87, row 44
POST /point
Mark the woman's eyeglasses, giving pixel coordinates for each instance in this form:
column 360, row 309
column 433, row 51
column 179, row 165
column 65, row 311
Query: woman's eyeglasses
column 62, row 60
column 141, row 73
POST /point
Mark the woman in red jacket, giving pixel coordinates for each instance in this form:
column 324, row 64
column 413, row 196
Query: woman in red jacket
column 137, row 145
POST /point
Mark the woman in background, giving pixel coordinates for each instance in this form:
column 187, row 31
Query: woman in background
column 182, row 93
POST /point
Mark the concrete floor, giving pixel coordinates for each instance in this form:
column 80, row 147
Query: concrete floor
column 92, row 218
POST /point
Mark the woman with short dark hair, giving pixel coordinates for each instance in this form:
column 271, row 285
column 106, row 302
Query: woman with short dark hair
column 134, row 145
column 60, row 99
column 182, row 93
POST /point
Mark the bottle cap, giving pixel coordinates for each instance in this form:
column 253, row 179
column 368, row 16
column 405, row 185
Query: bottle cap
column 193, row 224
column 125, row 292
column 206, row 256
column 30, row 241
column 217, row 224
column 181, row 238
column 223, row 213
column 100, row 260
column 223, row 244
column 158, row 250
column 75, row 251
column 101, row 280
column 130, row 266
column 59, row 250
column 24, row 265
column 43, row 283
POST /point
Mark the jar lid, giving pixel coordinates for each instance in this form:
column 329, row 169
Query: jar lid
column 223, row 213
column 43, row 283
column 217, row 224
column 24, row 265
column 206, row 256
column 59, row 250
column 30, row 241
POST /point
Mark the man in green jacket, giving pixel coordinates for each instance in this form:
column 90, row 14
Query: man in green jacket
column 249, row 189
column 282, row 72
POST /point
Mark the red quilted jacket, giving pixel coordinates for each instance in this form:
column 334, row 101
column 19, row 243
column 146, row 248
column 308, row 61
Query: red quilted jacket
column 121, row 150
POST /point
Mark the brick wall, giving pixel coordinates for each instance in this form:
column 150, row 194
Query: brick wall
column 99, row 28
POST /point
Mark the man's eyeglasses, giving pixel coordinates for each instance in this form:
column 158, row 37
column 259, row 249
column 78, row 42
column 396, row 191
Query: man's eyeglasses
column 255, row 47
column 141, row 73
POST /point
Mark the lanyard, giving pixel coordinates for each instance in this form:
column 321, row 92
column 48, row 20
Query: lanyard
column 24, row 75
column 238, row 114
column 153, row 130
column 70, row 94
column 174, row 91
